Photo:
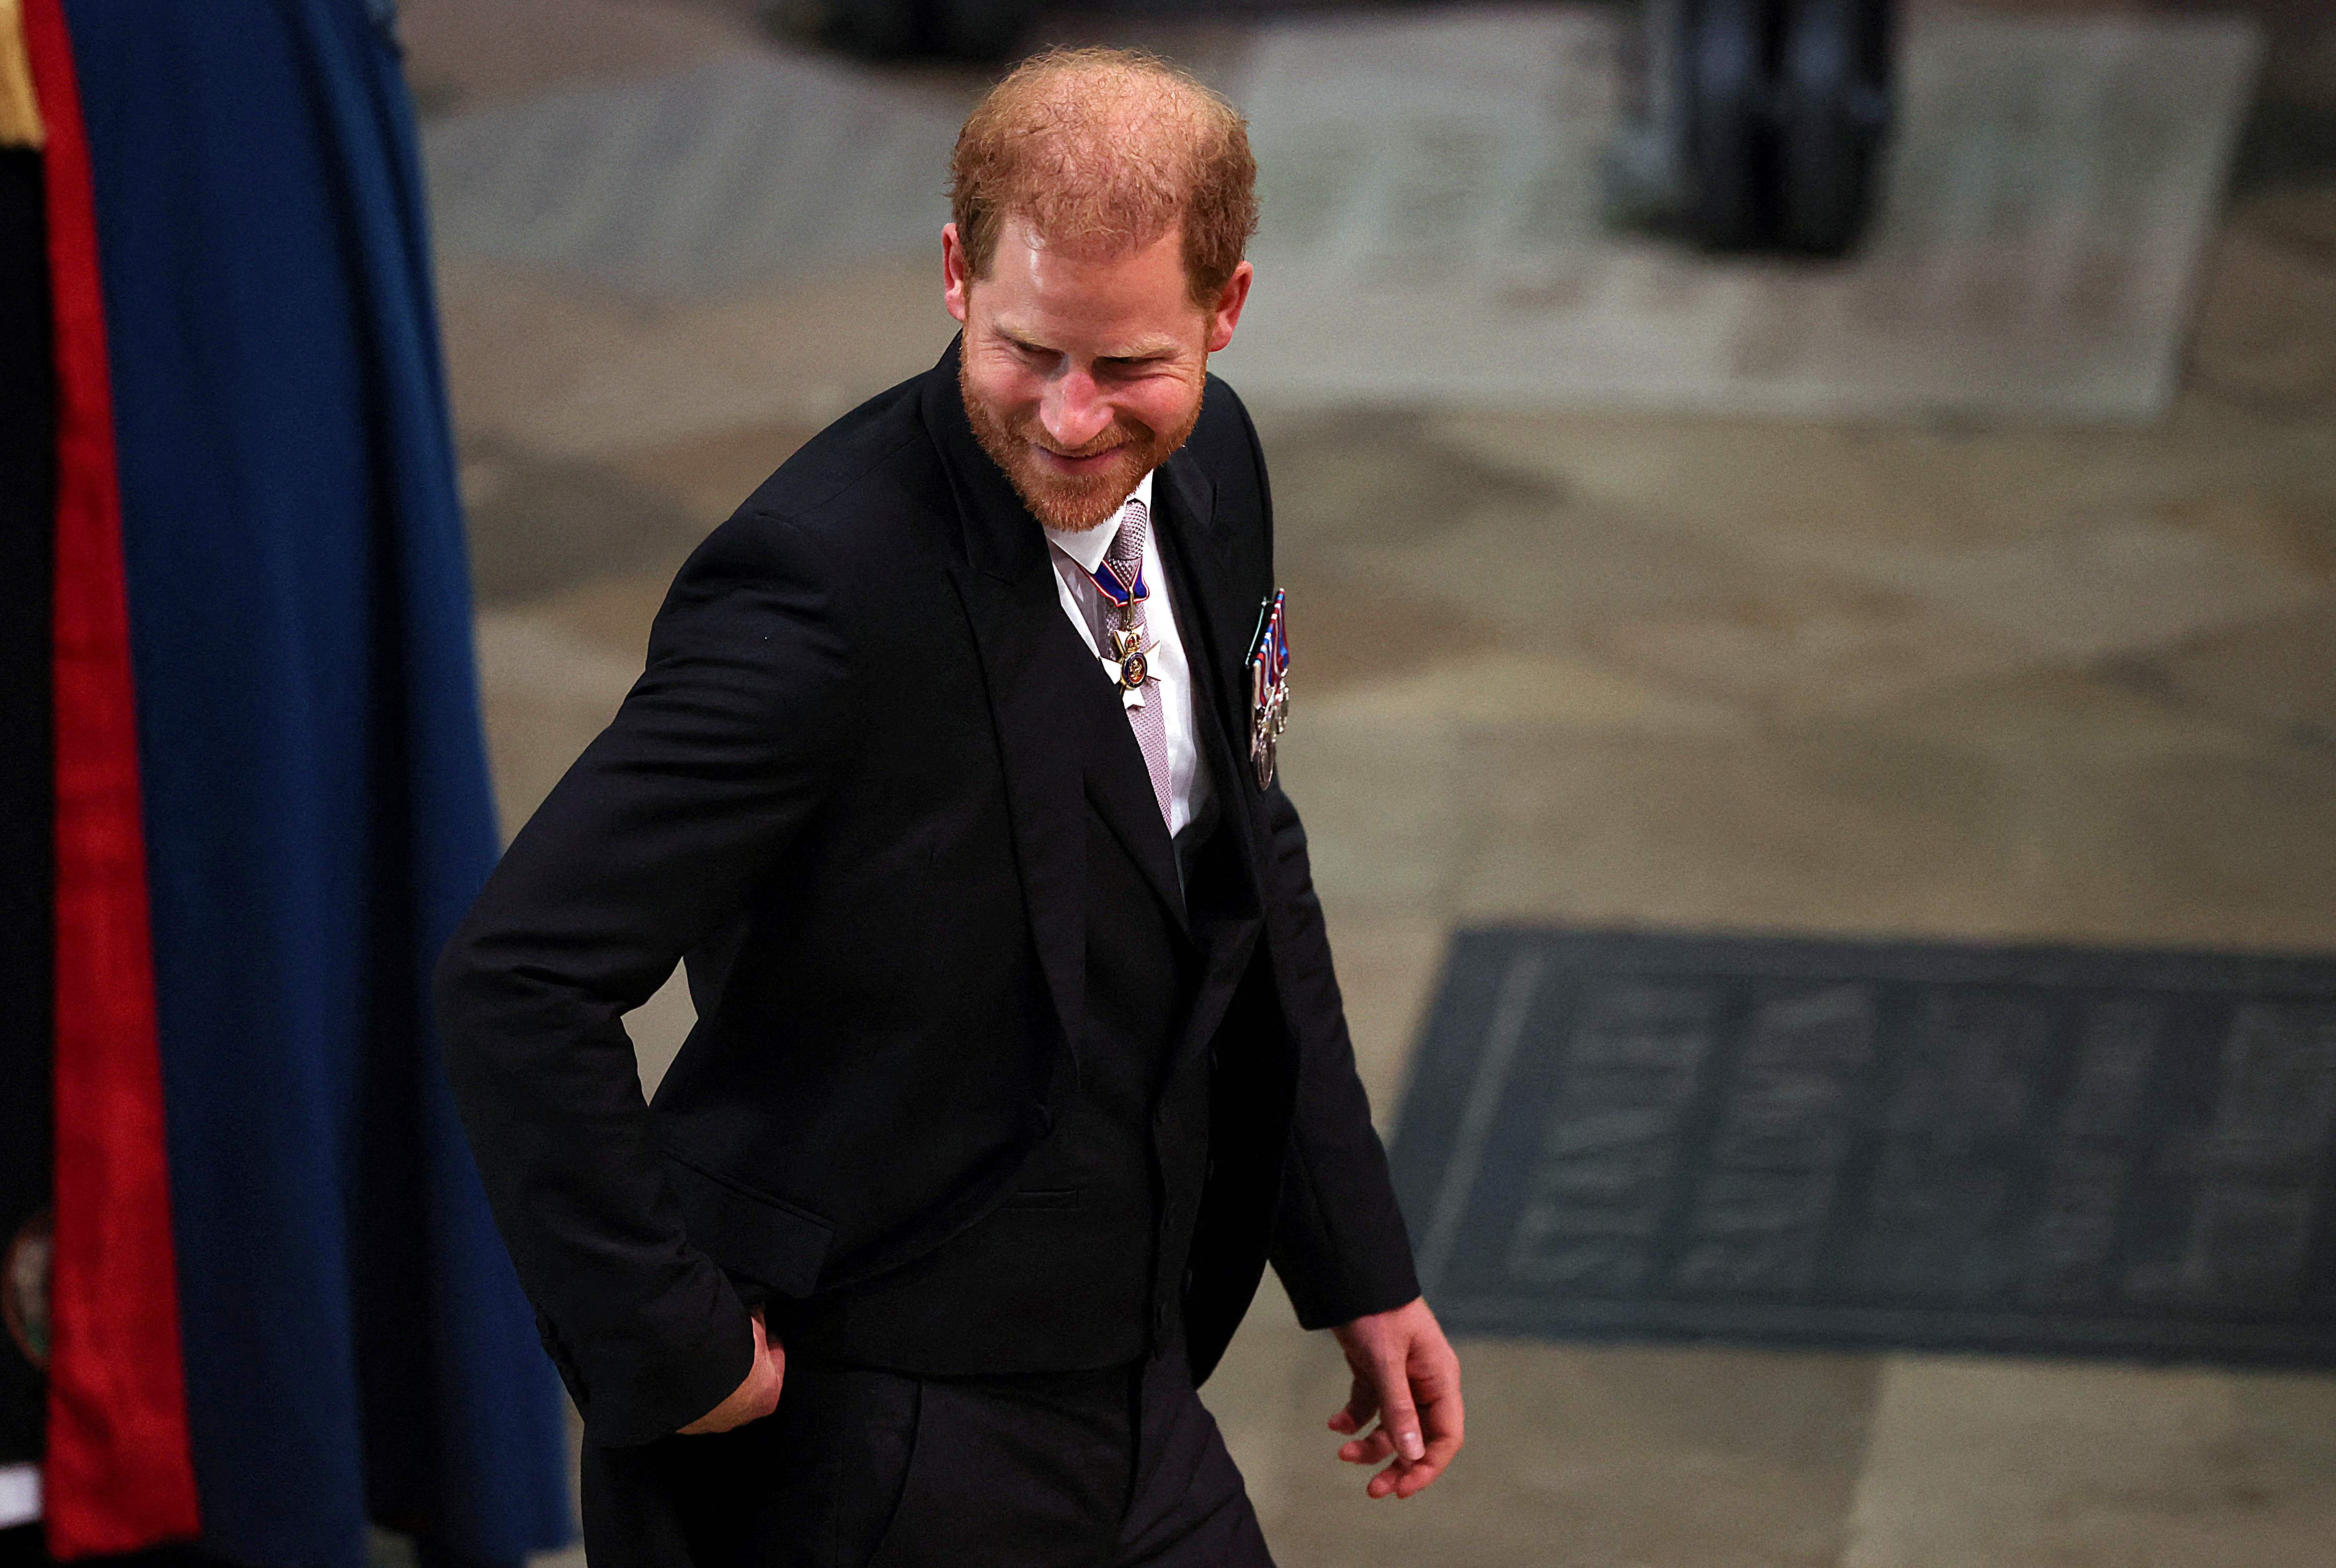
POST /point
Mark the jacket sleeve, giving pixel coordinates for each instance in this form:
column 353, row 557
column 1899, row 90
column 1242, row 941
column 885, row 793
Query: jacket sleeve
column 723, row 748
column 1340, row 1243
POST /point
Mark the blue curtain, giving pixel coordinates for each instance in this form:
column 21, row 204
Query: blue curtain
column 316, row 787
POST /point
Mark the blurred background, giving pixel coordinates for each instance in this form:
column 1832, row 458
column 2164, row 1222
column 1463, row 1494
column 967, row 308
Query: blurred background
column 1977, row 585
column 1810, row 536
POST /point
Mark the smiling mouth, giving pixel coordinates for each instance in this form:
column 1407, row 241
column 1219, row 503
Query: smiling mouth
column 1084, row 463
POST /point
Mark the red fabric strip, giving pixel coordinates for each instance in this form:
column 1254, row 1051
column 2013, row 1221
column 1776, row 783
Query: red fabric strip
column 119, row 1477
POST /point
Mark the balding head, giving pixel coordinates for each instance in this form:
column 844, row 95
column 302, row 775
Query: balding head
column 1102, row 151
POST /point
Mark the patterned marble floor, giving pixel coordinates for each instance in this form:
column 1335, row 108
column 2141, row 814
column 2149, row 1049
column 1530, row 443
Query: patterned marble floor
column 1956, row 678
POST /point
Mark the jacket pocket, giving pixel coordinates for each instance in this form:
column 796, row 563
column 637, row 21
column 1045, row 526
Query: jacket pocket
column 748, row 1233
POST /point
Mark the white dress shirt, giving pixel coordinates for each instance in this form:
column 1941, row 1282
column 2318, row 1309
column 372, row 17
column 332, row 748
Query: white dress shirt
column 1076, row 556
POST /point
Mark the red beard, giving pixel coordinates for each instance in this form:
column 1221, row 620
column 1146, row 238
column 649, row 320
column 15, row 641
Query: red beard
column 1071, row 502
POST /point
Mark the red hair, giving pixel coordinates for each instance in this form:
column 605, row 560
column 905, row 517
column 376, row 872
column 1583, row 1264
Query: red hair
column 1105, row 151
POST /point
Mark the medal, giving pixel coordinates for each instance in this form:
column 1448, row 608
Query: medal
column 1127, row 664
column 1269, row 683
column 1124, row 657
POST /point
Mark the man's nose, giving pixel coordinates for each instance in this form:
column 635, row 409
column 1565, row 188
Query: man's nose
column 1073, row 411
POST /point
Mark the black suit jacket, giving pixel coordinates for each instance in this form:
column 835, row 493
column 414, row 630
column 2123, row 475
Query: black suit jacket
column 840, row 791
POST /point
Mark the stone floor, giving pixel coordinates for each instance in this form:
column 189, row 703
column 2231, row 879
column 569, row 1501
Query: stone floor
column 1957, row 680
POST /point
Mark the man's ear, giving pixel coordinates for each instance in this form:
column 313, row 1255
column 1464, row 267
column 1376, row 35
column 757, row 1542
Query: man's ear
column 1226, row 314
column 957, row 274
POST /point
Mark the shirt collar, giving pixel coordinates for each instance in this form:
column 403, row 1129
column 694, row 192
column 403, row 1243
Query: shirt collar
column 1088, row 546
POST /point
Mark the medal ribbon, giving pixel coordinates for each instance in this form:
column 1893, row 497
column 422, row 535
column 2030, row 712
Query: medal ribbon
column 1116, row 593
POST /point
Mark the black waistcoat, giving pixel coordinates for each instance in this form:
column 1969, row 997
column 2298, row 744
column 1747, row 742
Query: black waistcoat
column 1082, row 1265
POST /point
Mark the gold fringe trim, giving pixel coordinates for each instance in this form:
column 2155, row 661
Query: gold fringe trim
column 20, row 110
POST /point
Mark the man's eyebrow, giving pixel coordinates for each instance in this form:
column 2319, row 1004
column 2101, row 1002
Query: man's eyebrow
column 1155, row 348
column 1142, row 349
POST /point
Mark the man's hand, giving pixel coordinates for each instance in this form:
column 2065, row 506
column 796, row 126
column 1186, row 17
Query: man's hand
column 755, row 1398
column 1407, row 1375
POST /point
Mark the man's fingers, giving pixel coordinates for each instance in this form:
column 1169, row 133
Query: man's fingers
column 1443, row 1422
column 1362, row 1404
column 1389, row 1483
column 1397, row 1417
column 1420, row 1426
column 1440, row 1420
column 1402, row 1478
column 1405, row 1368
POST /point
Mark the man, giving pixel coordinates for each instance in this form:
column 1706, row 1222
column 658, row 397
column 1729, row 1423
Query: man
column 1019, row 1050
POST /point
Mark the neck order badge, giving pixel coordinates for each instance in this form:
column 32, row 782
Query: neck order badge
column 1121, row 580
column 1269, row 687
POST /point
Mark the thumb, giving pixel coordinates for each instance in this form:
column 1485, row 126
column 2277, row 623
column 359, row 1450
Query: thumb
column 1399, row 1418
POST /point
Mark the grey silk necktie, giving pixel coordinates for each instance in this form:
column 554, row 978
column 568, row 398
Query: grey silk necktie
column 1127, row 644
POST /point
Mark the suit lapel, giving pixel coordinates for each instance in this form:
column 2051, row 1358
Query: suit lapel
column 1207, row 610
column 1063, row 737
column 1120, row 785
column 1225, row 932
column 1008, row 593
column 1185, row 506
column 1029, row 697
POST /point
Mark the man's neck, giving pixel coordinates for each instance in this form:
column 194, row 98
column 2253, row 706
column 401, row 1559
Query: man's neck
column 1088, row 546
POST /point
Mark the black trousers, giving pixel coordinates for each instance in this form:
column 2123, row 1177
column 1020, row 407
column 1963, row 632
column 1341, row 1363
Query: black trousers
column 1120, row 1468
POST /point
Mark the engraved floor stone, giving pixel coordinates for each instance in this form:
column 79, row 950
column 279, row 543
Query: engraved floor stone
column 2142, row 1135
column 1597, row 1191
column 1782, row 1144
